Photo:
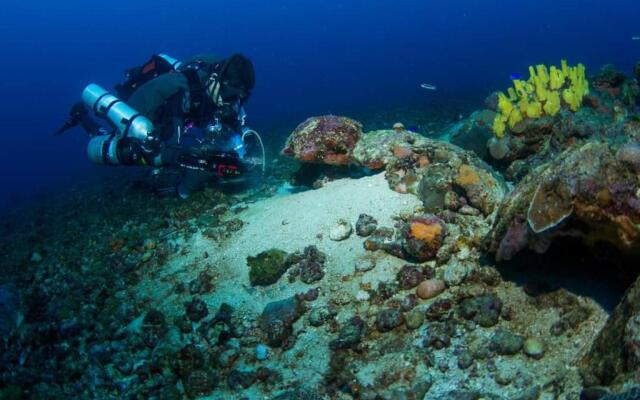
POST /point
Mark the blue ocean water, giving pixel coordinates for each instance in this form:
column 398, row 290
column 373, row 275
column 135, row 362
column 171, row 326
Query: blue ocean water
column 311, row 58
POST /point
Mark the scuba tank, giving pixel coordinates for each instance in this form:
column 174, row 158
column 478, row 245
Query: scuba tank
column 116, row 150
column 132, row 130
column 127, row 121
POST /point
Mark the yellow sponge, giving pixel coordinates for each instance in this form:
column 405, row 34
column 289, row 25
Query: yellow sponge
column 544, row 93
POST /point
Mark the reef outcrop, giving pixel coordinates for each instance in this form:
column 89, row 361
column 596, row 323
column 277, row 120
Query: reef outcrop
column 589, row 191
column 614, row 358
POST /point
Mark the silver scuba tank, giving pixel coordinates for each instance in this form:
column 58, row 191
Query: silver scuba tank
column 128, row 122
column 175, row 64
column 117, row 150
column 103, row 149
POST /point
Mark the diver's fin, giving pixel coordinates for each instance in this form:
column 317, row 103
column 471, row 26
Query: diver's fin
column 65, row 127
column 76, row 115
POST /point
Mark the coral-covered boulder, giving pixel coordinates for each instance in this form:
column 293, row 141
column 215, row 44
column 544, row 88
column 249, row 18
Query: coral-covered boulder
column 432, row 169
column 326, row 139
column 422, row 237
column 590, row 191
column 375, row 149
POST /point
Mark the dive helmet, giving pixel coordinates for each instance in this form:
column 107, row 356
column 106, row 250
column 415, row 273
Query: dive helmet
column 233, row 79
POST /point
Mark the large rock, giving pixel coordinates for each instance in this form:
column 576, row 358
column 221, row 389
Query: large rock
column 589, row 191
column 433, row 169
column 267, row 267
column 326, row 139
column 614, row 357
column 377, row 148
column 277, row 320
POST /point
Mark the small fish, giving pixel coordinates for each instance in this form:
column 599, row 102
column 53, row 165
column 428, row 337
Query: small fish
column 428, row 86
column 514, row 77
column 635, row 37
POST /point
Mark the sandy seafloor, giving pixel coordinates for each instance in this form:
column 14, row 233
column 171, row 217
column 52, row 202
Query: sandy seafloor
column 292, row 222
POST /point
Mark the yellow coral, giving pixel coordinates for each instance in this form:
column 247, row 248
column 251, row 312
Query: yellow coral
column 514, row 117
column 544, row 93
column 499, row 126
column 552, row 105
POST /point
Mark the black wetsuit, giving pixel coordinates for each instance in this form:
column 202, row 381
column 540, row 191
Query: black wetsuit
column 174, row 99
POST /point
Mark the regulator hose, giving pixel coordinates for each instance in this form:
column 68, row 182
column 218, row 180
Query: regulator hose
column 248, row 132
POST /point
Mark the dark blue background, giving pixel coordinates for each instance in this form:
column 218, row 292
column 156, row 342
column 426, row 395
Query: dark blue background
column 312, row 57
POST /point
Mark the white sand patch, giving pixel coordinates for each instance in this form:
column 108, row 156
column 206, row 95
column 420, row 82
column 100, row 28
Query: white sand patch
column 290, row 223
column 293, row 222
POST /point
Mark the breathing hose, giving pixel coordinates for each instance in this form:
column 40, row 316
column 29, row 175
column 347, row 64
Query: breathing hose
column 249, row 132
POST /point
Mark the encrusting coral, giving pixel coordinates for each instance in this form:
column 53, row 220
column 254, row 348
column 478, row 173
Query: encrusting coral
column 544, row 93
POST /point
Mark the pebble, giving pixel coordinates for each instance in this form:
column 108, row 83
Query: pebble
column 388, row 319
column 465, row 360
column 362, row 295
column 150, row 244
column 414, row 318
column 227, row 358
column 534, row 348
column 262, row 352
column 341, row 230
column 455, row 273
column 504, row 374
column 430, row 288
column 146, row 256
column 365, row 264
column 36, row 257
column 505, row 342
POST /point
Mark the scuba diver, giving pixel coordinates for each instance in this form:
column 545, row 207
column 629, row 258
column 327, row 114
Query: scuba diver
column 186, row 115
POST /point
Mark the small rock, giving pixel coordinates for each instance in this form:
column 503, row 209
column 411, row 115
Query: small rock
column 414, row 319
column 227, row 358
column 388, row 320
column 318, row 316
column 439, row 335
column 534, row 348
column 366, row 225
column 262, row 352
column 278, row 317
column 196, row 309
column 362, row 295
column 350, row 334
column 36, row 257
column 267, row 267
column 465, row 360
column 455, row 273
column 483, row 310
column 505, row 342
column 409, row 277
column 238, row 380
column 439, row 310
column 199, row 383
column 146, row 256
column 365, row 264
column 430, row 288
column 341, row 230
column 504, row 374
column 308, row 265
column 149, row 244
column 468, row 210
